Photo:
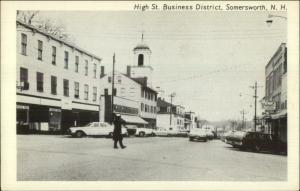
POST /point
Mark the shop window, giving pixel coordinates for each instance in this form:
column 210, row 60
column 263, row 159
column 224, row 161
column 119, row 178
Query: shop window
column 23, row 44
column 76, row 90
column 66, row 87
column 40, row 82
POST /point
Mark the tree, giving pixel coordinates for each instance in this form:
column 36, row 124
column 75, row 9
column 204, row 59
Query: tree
column 46, row 25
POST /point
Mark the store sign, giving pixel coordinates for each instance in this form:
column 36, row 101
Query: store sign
column 269, row 106
column 125, row 109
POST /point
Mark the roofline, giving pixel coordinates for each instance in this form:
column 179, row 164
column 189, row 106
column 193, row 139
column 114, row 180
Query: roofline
column 59, row 40
column 278, row 49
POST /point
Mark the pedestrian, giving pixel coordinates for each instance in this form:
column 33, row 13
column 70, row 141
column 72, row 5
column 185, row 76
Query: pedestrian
column 117, row 134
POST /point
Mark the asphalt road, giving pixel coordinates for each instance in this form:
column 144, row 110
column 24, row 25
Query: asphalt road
column 60, row 158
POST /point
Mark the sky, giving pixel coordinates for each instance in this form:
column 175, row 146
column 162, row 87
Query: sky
column 209, row 59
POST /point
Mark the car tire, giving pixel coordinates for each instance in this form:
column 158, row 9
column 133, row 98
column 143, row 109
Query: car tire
column 257, row 148
column 191, row 139
column 110, row 134
column 141, row 134
column 205, row 140
column 79, row 134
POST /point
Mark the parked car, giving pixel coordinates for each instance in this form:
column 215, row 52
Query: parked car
column 256, row 141
column 198, row 134
column 94, row 129
column 142, row 132
column 225, row 135
column 210, row 135
column 165, row 132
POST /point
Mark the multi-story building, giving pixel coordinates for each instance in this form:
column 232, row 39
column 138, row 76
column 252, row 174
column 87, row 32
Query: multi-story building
column 276, row 94
column 170, row 115
column 134, row 86
column 57, row 82
column 189, row 120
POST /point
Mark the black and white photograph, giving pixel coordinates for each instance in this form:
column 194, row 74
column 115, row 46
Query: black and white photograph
column 152, row 92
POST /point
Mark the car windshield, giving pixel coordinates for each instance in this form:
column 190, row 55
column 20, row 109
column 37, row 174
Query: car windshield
column 88, row 125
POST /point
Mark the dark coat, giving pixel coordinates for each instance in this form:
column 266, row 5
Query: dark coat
column 117, row 134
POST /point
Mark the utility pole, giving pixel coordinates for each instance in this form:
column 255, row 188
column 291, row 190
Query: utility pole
column 112, row 90
column 172, row 95
column 243, row 122
column 255, row 103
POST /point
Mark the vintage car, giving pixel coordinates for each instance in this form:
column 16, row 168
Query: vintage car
column 166, row 132
column 256, row 141
column 198, row 134
column 143, row 131
column 94, row 129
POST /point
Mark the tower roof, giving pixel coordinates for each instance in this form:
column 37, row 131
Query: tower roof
column 141, row 46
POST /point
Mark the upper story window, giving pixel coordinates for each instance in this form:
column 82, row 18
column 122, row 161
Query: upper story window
column 40, row 50
column 142, row 107
column 86, row 92
column 53, row 85
column 76, row 89
column 76, row 63
column 66, row 87
column 86, row 68
column 66, row 60
column 53, row 55
column 39, row 82
column 23, row 75
column 94, row 93
column 141, row 60
column 109, row 79
column 95, row 70
column 23, row 44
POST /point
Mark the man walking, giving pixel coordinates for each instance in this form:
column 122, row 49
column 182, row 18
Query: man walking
column 117, row 134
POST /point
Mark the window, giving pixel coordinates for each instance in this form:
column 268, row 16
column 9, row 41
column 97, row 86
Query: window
column 142, row 107
column 66, row 87
column 102, row 72
column 142, row 93
column 115, row 92
column 94, row 93
column 95, row 70
column 105, row 91
column 53, row 55
column 76, row 89
column 66, row 59
column 39, row 82
column 23, row 75
column 86, row 67
column 76, row 63
column 53, row 85
column 141, row 60
column 86, row 92
column 23, row 44
column 109, row 79
column 151, row 110
column 40, row 50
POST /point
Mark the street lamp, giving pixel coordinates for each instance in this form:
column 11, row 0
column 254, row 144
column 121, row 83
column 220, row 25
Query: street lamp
column 269, row 21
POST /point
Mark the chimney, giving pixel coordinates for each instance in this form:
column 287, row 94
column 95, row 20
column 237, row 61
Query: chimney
column 128, row 71
column 102, row 72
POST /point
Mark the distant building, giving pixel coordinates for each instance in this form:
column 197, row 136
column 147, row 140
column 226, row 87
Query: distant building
column 129, row 90
column 275, row 100
column 169, row 115
column 135, row 86
column 189, row 120
column 57, row 82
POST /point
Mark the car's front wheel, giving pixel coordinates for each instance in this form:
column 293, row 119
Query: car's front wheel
column 141, row 134
column 257, row 148
column 191, row 139
column 110, row 134
column 79, row 134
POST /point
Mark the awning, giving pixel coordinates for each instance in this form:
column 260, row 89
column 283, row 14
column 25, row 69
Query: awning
column 279, row 115
column 133, row 119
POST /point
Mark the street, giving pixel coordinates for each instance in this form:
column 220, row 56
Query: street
column 61, row 158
